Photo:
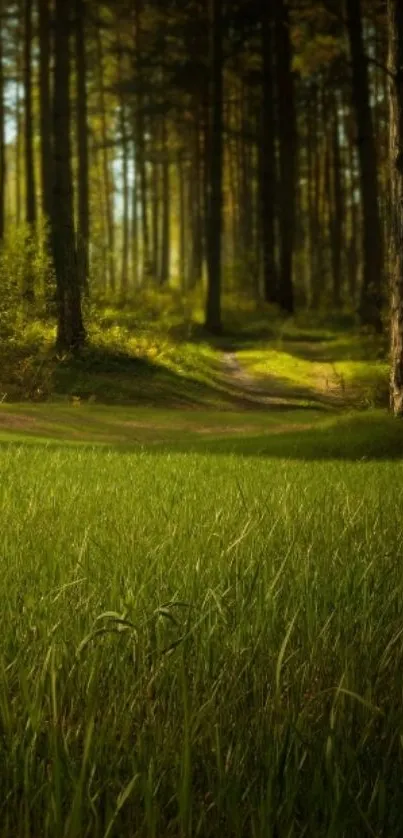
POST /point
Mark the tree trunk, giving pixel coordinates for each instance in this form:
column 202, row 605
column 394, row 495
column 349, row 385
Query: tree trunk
column 268, row 159
column 215, row 175
column 165, row 232
column 70, row 328
column 183, row 229
column 124, row 278
column 2, row 133
column 155, row 217
column 287, row 148
column 371, row 293
column 337, row 207
column 395, row 34
column 30, row 203
column 134, row 227
column 108, row 184
column 83, row 225
column 45, row 107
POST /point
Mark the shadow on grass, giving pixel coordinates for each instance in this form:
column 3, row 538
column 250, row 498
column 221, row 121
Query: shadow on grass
column 352, row 438
column 111, row 377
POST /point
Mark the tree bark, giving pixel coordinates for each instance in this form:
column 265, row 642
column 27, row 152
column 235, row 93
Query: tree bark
column 45, row 106
column 371, row 293
column 70, row 328
column 83, row 225
column 30, row 202
column 395, row 37
column 268, row 158
column 108, row 183
column 215, row 179
column 287, row 148
column 2, row 133
column 165, row 231
column 337, row 208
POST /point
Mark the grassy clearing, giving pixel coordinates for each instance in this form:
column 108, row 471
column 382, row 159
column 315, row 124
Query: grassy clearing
column 201, row 624
column 203, row 643
column 347, row 368
column 159, row 355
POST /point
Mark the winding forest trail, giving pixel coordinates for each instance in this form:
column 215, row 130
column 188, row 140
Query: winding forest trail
column 269, row 390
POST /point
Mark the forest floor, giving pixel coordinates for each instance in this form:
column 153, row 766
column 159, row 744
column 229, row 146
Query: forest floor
column 202, row 597
column 169, row 384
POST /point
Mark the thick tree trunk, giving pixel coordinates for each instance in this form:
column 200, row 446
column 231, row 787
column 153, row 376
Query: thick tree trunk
column 45, row 106
column 371, row 294
column 70, row 328
column 268, row 159
column 395, row 32
column 83, row 226
column 287, row 147
column 215, row 175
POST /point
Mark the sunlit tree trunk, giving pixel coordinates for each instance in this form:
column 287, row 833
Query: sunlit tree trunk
column 395, row 33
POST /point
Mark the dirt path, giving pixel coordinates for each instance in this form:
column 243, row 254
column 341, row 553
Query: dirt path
column 269, row 391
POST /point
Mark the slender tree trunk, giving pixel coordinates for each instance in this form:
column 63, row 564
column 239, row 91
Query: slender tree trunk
column 337, row 208
column 215, row 180
column 287, row 149
column 155, row 219
column 166, row 232
column 18, row 121
column 182, row 224
column 139, row 128
column 83, row 225
column 196, row 206
column 371, row 295
column 70, row 328
column 125, row 221
column 124, row 279
column 2, row 132
column 108, row 183
column 268, row 158
column 395, row 37
column 45, row 106
column 30, row 202
column 134, row 227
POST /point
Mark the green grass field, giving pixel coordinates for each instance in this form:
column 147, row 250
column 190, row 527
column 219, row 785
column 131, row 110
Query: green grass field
column 202, row 613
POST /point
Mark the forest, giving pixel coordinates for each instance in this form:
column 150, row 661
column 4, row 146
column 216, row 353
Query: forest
column 201, row 405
